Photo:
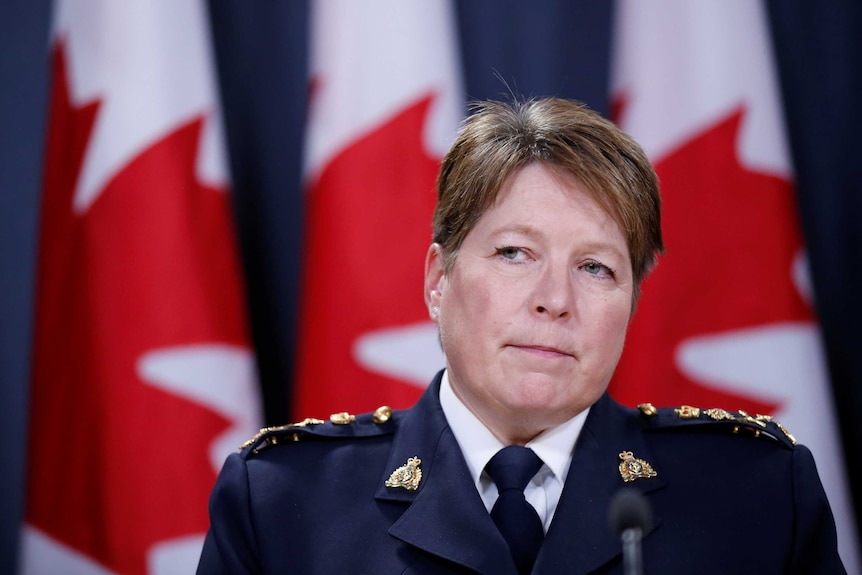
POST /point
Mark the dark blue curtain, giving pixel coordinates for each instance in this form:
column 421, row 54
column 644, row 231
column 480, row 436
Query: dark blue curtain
column 818, row 52
column 23, row 99
column 542, row 47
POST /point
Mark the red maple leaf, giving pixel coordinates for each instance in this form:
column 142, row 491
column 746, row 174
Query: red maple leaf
column 368, row 218
column 731, row 236
column 117, row 465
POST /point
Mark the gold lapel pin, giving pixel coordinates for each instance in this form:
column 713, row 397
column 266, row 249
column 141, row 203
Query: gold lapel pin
column 632, row 468
column 407, row 476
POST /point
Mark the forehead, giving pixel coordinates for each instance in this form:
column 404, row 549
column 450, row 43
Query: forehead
column 538, row 195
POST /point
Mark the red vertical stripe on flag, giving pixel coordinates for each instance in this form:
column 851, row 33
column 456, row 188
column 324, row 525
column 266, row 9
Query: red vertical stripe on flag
column 142, row 371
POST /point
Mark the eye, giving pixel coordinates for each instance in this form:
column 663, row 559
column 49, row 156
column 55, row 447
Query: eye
column 598, row 269
column 511, row 253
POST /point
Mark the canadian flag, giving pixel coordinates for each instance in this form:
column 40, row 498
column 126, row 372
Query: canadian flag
column 143, row 379
column 726, row 319
column 385, row 106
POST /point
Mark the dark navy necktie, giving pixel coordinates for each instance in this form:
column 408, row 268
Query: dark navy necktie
column 511, row 468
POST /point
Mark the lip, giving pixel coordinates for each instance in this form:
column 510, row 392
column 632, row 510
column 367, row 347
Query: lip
column 543, row 350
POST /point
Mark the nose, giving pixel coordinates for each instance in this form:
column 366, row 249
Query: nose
column 554, row 292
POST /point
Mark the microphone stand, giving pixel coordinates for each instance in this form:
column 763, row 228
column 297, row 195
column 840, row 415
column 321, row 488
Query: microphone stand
column 629, row 516
column 632, row 558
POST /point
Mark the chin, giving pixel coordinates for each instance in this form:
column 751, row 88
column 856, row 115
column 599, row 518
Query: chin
column 544, row 386
column 542, row 395
column 552, row 396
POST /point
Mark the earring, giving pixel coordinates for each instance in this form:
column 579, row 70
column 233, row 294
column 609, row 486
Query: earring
column 435, row 311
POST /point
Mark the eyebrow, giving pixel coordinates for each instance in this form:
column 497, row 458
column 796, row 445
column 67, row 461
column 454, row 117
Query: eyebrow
column 524, row 229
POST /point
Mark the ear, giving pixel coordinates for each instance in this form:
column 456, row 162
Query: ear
column 434, row 279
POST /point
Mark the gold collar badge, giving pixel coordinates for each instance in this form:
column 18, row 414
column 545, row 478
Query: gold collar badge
column 407, row 476
column 632, row 468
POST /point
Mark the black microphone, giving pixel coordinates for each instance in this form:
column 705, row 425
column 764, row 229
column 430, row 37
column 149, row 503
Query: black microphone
column 630, row 516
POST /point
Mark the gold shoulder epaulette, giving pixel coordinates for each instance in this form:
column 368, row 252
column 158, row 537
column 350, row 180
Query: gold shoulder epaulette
column 736, row 422
column 341, row 424
column 274, row 435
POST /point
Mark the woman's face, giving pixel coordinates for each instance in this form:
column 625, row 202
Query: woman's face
column 534, row 311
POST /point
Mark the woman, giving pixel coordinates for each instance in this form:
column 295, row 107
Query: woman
column 548, row 219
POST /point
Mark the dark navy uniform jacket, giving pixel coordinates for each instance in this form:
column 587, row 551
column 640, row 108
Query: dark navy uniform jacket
column 729, row 494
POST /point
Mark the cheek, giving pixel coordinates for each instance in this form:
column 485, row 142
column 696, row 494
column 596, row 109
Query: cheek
column 467, row 296
column 614, row 327
column 610, row 321
column 471, row 311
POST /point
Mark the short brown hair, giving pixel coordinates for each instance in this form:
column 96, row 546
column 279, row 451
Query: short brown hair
column 500, row 138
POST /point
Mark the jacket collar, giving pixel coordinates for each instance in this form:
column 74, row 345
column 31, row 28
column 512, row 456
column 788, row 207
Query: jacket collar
column 579, row 539
column 446, row 516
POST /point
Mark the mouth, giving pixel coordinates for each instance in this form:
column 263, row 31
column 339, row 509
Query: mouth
column 542, row 350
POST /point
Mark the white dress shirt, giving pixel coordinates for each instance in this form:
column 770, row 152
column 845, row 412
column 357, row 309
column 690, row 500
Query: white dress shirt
column 554, row 446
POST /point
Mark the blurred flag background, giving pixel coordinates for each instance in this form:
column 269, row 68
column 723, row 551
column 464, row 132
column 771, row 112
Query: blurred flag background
column 385, row 104
column 727, row 318
column 125, row 354
column 143, row 377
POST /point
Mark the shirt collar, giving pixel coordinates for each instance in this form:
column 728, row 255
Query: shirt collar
column 555, row 445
